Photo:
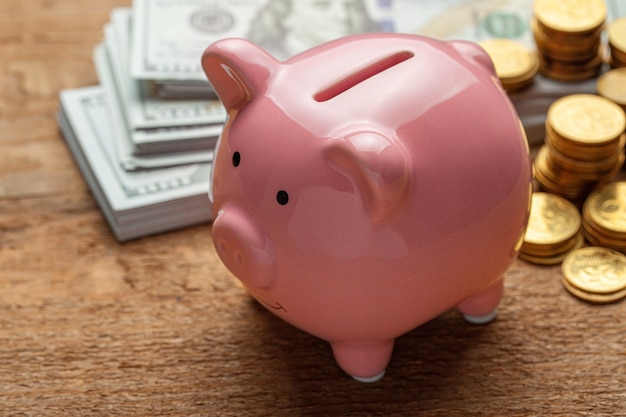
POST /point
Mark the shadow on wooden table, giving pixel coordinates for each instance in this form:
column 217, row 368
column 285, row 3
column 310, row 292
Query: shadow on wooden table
column 432, row 368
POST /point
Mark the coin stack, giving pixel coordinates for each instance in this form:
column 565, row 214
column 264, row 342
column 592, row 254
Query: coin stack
column 612, row 85
column 617, row 43
column 568, row 38
column 604, row 216
column 584, row 145
column 553, row 230
column 515, row 64
column 595, row 274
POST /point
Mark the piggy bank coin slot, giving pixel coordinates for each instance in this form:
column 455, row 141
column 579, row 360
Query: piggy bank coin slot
column 361, row 75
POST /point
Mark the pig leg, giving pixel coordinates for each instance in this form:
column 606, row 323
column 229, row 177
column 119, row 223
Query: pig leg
column 481, row 308
column 365, row 361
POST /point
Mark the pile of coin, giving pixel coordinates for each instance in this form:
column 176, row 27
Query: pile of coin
column 604, row 216
column 617, row 43
column 569, row 39
column 553, row 230
column 515, row 64
column 595, row 274
column 584, row 145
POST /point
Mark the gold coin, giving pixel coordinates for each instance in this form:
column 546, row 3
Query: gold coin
column 557, row 181
column 569, row 72
column 552, row 259
column 582, row 58
column 595, row 269
column 555, row 250
column 603, row 154
column 612, row 85
column 570, row 42
column 586, row 118
column 593, row 297
column 617, row 34
column 565, row 48
column 599, row 237
column 606, row 207
column 570, row 15
column 513, row 61
column 551, row 171
column 617, row 57
column 515, row 87
column 584, row 167
column 552, row 220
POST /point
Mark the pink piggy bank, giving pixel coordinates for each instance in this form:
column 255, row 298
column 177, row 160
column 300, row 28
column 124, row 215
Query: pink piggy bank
column 367, row 185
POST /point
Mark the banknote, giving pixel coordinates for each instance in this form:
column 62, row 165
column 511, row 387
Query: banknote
column 474, row 20
column 168, row 36
column 616, row 9
column 127, row 153
column 135, row 203
column 143, row 110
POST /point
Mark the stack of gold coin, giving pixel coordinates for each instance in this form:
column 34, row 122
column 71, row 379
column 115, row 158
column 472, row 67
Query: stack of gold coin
column 515, row 64
column 617, row 43
column 612, row 85
column 595, row 274
column 553, row 230
column 604, row 216
column 584, row 145
column 568, row 35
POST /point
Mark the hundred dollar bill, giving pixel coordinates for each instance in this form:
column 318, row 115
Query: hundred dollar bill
column 143, row 110
column 616, row 9
column 472, row 20
column 475, row 20
column 135, row 204
column 127, row 153
column 169, row 36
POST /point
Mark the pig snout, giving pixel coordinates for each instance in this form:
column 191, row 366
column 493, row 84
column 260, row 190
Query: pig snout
column 244, row 247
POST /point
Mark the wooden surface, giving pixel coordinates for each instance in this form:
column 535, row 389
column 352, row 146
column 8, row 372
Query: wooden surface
column 91, row 327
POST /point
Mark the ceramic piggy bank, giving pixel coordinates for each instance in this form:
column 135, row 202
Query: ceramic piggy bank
column 367, row 185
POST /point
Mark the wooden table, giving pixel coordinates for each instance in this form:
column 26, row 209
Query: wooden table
column 157, row 326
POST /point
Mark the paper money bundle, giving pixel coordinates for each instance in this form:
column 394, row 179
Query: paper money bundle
column 135, row 203
column 144, row 138
column 147, row 160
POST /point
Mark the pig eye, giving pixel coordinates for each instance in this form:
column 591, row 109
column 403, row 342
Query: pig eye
column 236, row 159
column 282, row 197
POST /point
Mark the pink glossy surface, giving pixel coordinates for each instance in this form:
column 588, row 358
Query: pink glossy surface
column 408, row 181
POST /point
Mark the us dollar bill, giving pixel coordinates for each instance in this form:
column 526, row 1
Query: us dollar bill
column 168, row 36
column 472, row 20
column 143, row 110
column 138, row 203
column 127, row 152
column 475, row 20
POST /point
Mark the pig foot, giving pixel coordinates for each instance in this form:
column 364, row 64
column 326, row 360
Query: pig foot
column 481, row 308
column 365, row 361
column 374, row 378
column 487, row 318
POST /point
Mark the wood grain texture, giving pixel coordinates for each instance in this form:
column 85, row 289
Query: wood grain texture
column 91, row 327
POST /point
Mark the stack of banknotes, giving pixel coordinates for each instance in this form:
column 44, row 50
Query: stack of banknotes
column 144, row 138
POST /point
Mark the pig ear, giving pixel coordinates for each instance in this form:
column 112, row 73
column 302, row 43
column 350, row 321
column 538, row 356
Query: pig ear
column 238, row 70
column 378, row 166
column 472, row 52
